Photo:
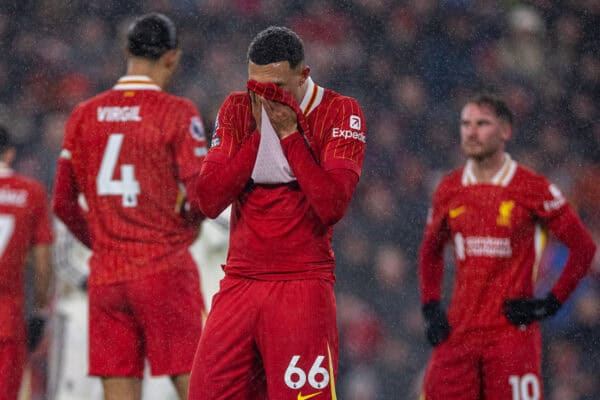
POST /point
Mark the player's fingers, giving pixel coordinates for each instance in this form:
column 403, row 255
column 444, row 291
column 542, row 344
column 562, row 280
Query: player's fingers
column 268, row 106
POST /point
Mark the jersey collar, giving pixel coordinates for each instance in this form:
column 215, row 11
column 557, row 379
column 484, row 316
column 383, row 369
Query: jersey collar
column 502, row 177
column 136, row 82
column 312, row 97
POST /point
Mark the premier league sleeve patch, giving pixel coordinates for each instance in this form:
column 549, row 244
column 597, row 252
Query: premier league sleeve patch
column 215, row 139
column 197, row 129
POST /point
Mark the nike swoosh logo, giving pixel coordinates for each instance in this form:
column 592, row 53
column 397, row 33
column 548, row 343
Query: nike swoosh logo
column 455, row 212
column 308, row 396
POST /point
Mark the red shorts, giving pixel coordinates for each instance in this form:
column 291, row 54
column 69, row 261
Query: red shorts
column 498, row 365
column 12, row 363
column 268, row 339
column 158, row 317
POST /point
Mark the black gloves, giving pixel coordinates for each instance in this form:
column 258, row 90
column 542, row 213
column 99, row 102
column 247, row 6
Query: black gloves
column 437, row 327
column 35, row 331
column 525, row 311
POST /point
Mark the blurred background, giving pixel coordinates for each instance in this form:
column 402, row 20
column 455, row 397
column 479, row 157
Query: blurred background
column 411, row 65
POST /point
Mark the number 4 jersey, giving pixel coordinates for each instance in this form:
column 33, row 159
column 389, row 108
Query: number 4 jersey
column 24, row 221
column 131, row 151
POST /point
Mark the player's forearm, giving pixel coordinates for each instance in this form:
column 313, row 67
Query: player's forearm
column 431, row 269
column 42, row 274
column 328, row 192
column 189, row 209
column 65, row 205
column 219, row 184
column 569, row 229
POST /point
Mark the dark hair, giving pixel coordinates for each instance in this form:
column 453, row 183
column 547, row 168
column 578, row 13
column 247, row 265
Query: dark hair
column 495, row 103
column 275, row 44
column 151, row 35
column 5, row 140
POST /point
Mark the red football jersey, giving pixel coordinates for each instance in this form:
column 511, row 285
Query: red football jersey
column 132, row 150
column 24, row 221
column 275, row 234
column 498, row 232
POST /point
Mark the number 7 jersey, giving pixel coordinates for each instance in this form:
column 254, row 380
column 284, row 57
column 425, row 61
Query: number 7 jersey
column 24, row 222
column 132, row 150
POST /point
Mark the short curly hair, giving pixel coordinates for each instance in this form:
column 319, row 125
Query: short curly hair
column 275, row 44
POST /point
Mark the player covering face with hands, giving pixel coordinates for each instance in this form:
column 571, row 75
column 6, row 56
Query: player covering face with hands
column 496, row 213
column 287, row 154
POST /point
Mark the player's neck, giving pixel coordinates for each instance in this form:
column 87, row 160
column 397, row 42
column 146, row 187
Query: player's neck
column 302, row 92
column 151, row 70
column 486, row 168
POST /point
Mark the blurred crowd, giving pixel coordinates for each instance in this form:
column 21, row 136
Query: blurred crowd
column 411, row 65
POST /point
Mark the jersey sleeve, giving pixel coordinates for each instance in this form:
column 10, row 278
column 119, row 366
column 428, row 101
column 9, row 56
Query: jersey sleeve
column 431, row 252
column 328, row 192
column 226, row 139
column 547, row 199
column 42, row 233
column 551, row 207
column 65, row 197
column 344, row 146
column 71, row 127
column 189, row 143
column 228, row 165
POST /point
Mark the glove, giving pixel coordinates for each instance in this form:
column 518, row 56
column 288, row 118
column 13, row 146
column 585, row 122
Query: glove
column 35, row 331
column 437, row 327
column 525, row 311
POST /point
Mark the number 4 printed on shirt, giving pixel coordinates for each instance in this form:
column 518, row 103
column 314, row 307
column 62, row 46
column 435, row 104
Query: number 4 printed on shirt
column 127, row 186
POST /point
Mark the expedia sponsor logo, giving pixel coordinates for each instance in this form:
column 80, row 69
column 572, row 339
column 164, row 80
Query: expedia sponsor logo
column 355, row 122
column 119, row 114
column 349, row 134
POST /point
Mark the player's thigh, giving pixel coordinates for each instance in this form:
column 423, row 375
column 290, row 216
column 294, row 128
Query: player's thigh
column 169, row 307
column 512, row 366
column 453, row 372
column 12, row 363
column 298, row 339
column 116, row 344
column 227, row 364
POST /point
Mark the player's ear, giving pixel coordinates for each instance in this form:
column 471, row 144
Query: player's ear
column 304, row 73
column 171, row 58
column 9, row 155
column 506, row 131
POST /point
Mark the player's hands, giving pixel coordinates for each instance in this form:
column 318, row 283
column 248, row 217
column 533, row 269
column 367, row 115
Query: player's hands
column 283, row 118
column 35, row 331
column 437, row 328
column 256, row 108
column 524, row 311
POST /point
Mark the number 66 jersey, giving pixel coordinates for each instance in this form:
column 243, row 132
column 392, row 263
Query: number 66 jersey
column 131, row 151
